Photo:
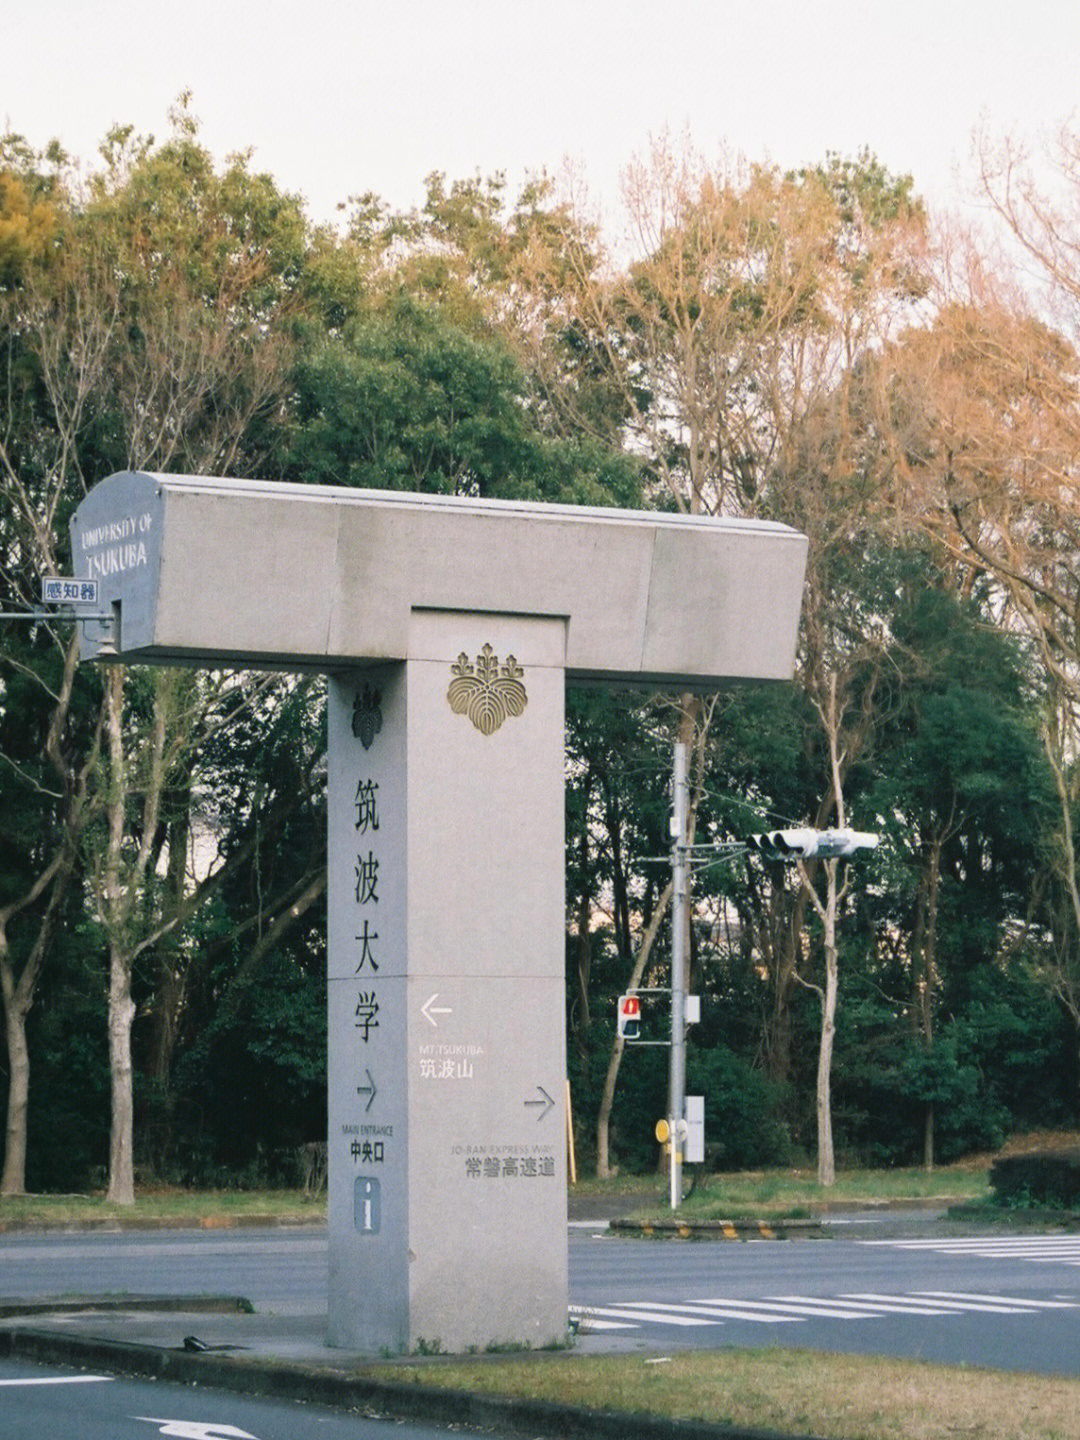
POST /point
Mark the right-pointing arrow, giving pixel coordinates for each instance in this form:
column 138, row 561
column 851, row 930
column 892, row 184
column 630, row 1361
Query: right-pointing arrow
column 547, row 1102
column 368, row 1090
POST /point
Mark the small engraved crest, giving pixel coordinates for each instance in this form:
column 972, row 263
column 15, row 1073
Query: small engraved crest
column 487, row 692
column 367, row 714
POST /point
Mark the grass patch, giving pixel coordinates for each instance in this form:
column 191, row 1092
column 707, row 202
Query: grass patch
column 835, row 1397
column 164, row 1205
column 775, row 1194
column 761, row 1194
column 795, row 1194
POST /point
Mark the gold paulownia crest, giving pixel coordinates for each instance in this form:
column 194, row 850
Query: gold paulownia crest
column 486, row 693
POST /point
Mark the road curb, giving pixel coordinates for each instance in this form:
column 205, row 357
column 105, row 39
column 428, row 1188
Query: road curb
column 158, row 1304
column 162, row 1222
column 718, row 1229
column 117, row 1223
column 332, row 1388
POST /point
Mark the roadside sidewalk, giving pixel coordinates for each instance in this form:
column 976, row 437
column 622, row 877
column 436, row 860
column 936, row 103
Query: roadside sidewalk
column 286, row 1357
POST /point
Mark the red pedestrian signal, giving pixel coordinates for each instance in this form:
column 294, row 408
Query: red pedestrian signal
column 629, row 1017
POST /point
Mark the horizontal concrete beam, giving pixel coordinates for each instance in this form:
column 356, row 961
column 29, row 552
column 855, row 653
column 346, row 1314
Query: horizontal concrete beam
column 265, row 575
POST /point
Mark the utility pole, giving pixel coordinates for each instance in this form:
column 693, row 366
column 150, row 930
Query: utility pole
column 680, row 904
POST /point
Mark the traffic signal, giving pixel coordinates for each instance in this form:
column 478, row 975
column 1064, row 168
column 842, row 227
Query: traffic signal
column 810, row 844
column 629, row 1017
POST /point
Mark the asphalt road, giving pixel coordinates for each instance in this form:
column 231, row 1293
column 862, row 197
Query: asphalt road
column 38, row 1401
column 276, row 1269
column 1002, row 1301
column 1005, row 1301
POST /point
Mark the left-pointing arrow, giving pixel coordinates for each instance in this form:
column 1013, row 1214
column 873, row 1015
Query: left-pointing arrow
column 368, row 1090
column 429, row 1009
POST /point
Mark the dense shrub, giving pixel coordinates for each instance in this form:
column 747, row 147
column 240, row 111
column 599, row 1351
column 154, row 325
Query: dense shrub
column 1051, row 1179
column 742, row 1128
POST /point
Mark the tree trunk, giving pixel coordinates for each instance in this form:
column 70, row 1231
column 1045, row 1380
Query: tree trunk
column 826, row 1160
column 787, row 928
column 603, row 1118
column 829, row 710
column 925, row 948
column 826, row 1166
column 120, row 893
column 607, row 1098
column 581, row 974
column 121, row 1141
column 18, row 998
column 170, row 985
column 15, row 1013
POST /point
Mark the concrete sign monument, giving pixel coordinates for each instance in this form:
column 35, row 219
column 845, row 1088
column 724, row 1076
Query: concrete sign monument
column 448, row 629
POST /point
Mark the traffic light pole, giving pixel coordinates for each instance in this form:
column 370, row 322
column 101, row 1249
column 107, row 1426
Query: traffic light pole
column 680, row 885
column 791, row 844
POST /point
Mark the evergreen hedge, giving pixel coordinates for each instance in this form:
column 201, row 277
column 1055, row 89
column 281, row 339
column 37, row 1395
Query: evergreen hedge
column 1050, row 1179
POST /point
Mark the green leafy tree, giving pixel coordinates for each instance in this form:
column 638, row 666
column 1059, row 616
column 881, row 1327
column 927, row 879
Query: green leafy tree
column 148, row 332
column 406, row 399
column 963, row 779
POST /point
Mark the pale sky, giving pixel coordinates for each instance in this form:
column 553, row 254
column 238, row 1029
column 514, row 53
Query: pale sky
column 337, row 98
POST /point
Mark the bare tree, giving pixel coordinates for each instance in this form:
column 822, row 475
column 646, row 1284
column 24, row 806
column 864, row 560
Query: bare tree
column 729, row 345
column 827, row 907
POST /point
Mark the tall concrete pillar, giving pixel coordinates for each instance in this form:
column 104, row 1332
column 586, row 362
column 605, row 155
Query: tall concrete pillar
column 447, row 1052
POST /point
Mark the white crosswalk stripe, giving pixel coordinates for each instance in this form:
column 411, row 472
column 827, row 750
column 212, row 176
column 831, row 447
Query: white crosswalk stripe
column 636, row 1312
column 787, row 1307
column 922, row 1304
column 1058, row 1249
column 713, row 1310
column 793, row 1309
column 997, row 1303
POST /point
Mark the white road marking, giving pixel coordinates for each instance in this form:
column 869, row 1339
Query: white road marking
column 1061, row 1250
column 992, row 1301
column 61, row 1380
column 793, row 1309
column 627, row 1312
column 196, row 1429
column 588, row 1321
column 908, row 1305
column 829, row 1309
column 715, row 1309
